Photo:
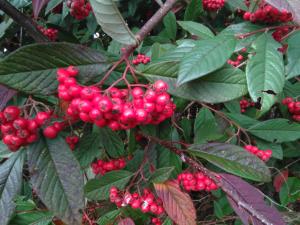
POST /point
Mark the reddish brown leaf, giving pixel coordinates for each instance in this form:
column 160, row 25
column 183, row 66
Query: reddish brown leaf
column 280, row 179
column 126, row 221
column 5, row 95
column 37, row 6
column 178, row 205
column 248, row 202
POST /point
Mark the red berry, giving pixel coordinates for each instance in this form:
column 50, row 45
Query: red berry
column 11, row 113
column 50, row 132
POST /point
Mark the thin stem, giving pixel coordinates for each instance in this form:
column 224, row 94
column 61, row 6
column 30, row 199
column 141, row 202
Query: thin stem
column 23, row 20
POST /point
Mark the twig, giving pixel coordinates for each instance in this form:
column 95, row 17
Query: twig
column 23, row 20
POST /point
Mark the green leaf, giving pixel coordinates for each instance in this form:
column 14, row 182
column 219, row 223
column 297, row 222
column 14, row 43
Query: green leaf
column 221, row 86
column 111, row 141
column 32, row 69
column 108, row 218
column 168, row 221
column 51, row 5
column 233, row 159
column 88, row 149
column 57, row 179
column 206, row 57
column 10, row 185
column 111, row 21
column 161, row 174
column 276, row 130
column 277, row 151
column 290, row 191
column 238, row 4
column 4, row 26
column 4, row 152
column 222, row 207
column 205, row 127
column 196, row 29
column 293, row 56
column 242, row 120
column 32, row 218
column 265, row 71
column 98, row 189
column 170, row 25
column 193, row 10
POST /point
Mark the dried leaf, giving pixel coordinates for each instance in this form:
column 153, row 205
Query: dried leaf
column 178, row 205
column 280, row 179
column 37, row 6
column 5, row 95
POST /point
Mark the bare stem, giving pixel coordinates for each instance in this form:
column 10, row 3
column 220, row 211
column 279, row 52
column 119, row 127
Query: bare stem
column 23, row 21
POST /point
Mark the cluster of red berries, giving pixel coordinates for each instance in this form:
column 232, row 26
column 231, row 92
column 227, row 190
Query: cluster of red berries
column 196, row 182
column 264, row 155
column 17, row 131
column 72, row 141
column 236, row 62
column 268, row 14
column 52, row 130
column 156, row 221
column 244, row 104
column 79, row 9
column 51, row 33
column 213, row 5
column 102, row 167
column 113, row 108
column 293, row 107
column 280, row 32
column 146, row 203
column 141, row 59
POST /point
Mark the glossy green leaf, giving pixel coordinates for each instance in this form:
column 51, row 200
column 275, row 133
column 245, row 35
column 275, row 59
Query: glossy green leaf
column 88, row 149
column 233, row 159
column 276, row 130
column 10, row 185
column 265, row 71
column 161, row 174
column 242, row 120
column 293, row 56
column 111, row 141
column 196, row 29
column 230, row 83
column 57, row 179
column 32, row 69
column 111, row 21
column 206, row 57
column 98, row 189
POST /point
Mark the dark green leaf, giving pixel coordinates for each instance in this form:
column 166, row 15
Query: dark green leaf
column 238, row 4
column 111, row 141
column 205, row 127
column 98, row 189
column 4, row 152
column 52, row 4
column 290, row 191
column 206, row 57
column 196, row 29
column 293, row 55
column 161, row 174
column 276, row 130
column 170, row 25
column 57, row 179
column 10, row 185
column 242, row 120
column 112, row 22
column 32, row 218
column 193, row 10
column 265, row 71
column 32, row 69
column 88, row 149
column 233, row 159
column 109, row 217
column 230, row 83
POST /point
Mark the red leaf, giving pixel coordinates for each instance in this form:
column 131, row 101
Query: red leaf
column 248, row 202
column 5, row 95
column 178, row 205
column 37, row 6
column 280, row 179
column 126, row 221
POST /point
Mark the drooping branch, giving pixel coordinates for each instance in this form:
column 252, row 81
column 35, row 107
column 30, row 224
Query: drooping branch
column 23, row 21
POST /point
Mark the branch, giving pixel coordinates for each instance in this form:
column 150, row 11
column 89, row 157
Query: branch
column 23, row 21
column 150, row 24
